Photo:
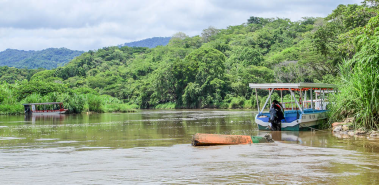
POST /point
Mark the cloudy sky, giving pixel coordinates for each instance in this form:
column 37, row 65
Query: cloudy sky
column 92, row 24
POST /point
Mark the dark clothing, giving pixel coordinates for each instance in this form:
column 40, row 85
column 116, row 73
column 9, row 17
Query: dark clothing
column 276, row 116
column 276, row 125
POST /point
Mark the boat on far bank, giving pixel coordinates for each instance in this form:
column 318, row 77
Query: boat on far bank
column 48, row 108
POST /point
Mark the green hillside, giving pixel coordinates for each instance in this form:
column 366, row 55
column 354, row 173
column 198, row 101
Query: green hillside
column 213, row 70
column 48, row 58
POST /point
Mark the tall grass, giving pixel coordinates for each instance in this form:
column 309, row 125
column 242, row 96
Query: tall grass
column 359, row 87
column 94, row 103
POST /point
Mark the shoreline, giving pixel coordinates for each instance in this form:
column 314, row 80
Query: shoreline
column 346, row 129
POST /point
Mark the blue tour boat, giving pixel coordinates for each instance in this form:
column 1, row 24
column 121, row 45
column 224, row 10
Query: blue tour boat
column 299, row 114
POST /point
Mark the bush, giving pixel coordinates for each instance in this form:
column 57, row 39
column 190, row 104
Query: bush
column 115, row 107
column 94, row 103
column 169, row 105
column 11, row 109
column 237, row 103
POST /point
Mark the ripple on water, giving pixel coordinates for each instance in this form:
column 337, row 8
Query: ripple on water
column 256, row 163
column 47, row 139
column 64, row 142
column 10, row 138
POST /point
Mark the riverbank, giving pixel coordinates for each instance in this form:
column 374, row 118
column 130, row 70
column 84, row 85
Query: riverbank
column 17, row 109
column 346, row 129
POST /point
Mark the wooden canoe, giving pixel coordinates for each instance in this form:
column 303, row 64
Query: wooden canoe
column 220, row 139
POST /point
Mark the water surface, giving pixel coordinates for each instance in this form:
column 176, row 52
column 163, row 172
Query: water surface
column 154, row 147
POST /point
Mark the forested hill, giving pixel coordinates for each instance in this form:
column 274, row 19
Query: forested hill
column 213, row 70
column 149, row 43
column 48, row 58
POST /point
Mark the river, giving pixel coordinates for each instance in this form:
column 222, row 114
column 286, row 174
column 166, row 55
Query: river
column 153, row 147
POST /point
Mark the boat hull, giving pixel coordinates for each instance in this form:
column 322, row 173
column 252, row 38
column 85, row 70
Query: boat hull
column 49, row 113
column 294, row 120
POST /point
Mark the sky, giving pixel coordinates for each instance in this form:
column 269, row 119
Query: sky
column 93, row 24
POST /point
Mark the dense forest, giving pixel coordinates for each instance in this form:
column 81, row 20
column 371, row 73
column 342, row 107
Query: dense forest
column 212, row 70
column 48, row 58
column 12, row 74
column 149, row 43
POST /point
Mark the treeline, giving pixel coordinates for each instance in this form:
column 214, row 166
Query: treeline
column 48, row 58
column 11, row 74
column 213, row 70
column 12, row 96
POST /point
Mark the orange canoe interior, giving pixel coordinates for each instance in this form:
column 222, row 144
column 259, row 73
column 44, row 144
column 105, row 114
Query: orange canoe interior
column 218, row 139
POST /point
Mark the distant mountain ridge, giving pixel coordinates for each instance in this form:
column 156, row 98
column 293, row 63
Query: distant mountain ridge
column 48, row 58
column 51, row 58
column 150, row 42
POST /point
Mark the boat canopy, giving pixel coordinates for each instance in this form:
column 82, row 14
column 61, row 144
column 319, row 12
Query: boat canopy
column 293, row 86
column 47, row 103
column 301, row 87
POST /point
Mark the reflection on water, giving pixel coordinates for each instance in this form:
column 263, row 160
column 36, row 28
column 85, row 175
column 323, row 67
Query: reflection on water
column 154, row 146
column 49, row 119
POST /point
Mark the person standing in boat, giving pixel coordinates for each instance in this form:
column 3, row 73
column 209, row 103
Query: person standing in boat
column 276, row 115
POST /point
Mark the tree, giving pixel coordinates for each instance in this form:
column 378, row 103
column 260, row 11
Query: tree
column 254, row 20
column 371, row 3
column 202, row 66
column 177, row 40
column 208, row 33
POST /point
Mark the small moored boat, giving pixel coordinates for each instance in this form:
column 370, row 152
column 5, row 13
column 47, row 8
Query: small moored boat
column 306, row 114
column 45, row 108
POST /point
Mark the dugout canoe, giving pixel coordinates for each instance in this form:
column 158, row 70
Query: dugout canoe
column 200, row 139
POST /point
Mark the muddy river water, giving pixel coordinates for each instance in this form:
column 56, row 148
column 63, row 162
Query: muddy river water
column 153, row 147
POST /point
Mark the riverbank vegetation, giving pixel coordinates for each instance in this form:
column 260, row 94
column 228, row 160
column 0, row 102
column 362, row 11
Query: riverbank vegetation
column 12, row 96
column 213, row 70
column 359, row 85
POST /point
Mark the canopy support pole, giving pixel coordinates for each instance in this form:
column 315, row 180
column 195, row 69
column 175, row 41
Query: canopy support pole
column 321, row 102
column 301, row 97
column 269, row 96
column 323, row 97
column 297, row 103
column 316, row 94
column 256, row 96
column 311, row 94
column 291, row 100
column 281, row 96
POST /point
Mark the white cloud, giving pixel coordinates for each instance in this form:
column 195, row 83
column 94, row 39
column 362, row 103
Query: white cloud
column 93, row 24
